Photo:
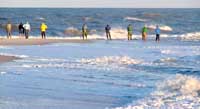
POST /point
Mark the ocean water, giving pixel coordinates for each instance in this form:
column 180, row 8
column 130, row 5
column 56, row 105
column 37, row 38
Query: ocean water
column 64, row 22
column 117, row 74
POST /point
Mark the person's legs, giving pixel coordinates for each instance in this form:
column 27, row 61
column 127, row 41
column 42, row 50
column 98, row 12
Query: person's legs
column 44, row 35
column 23, row 31
column 144, row 36
column 157, row 37
column 26, row 34
column 130, row 36
column 85, row 35
column 9, row 35
column 109, row 35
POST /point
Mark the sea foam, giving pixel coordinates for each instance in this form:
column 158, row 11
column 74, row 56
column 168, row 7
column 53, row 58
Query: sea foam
column 180, row 92
column 195, row 36
column 120, row 60
column 162, row 27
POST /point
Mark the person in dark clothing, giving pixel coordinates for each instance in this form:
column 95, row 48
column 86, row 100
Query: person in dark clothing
column 84, row 31
column 130, row 31
column 21, row 29
column 107, row 29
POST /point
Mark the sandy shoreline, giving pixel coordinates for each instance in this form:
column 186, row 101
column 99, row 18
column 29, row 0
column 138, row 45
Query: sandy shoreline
column 4, row 59
column 34, row 41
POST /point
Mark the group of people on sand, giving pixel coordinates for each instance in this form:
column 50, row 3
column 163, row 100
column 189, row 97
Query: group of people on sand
column 129, row 31
column 24, row 30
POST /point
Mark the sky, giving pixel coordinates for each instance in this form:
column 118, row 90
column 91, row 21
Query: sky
column 102, row 3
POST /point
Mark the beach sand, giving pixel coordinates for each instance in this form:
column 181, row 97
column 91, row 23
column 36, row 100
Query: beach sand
column 34, row 41
column 7, row 58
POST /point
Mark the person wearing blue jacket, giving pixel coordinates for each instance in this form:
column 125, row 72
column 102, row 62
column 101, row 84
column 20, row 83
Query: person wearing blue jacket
column 157, row 31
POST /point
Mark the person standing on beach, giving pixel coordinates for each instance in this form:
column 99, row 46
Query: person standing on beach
column 107, row 29
column 157, row 31
column 43, row 29
column 9, row 29
column 84, row 31
column 21, row 29
column 27, row 28
column 144, row 33
column 130, row 31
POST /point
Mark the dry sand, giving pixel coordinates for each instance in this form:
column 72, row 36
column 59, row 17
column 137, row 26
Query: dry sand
column 32, row 41
column 7, row 58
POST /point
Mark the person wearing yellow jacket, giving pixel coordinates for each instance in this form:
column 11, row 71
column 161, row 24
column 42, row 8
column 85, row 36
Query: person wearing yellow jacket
column 43, row 29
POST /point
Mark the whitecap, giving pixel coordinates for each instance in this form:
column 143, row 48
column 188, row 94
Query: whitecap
column 2, row 73
column 120, row 60
column 135, row 19
column 181, row 92
column 162, row 27
column 195, row 36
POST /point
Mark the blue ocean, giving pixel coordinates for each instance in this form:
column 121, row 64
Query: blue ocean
column 103, row 74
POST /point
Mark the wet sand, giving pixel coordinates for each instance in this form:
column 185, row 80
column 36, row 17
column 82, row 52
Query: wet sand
column 4, row 59
column 32, row 41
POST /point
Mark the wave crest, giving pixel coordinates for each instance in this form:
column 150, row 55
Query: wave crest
column 191, row 36
column 179, row 92
column 124, row 60
column 162, row 27
column 135, row 19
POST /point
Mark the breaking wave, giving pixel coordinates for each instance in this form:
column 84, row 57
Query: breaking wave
column 191, row 36
column 108, row 60
column 72, row 31
column 180, row 92
column 100, row 63
column 135, row 19
column 167, row 52
column 19, row 56
column 2, row 73
column 162, row 27
column 40, row 19
column 167, row 60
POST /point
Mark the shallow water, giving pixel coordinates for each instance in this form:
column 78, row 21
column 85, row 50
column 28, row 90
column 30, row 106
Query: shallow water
column 103, row 74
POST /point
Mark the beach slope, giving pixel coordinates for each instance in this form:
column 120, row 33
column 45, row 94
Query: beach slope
column 32, row 41
column 4, row 59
